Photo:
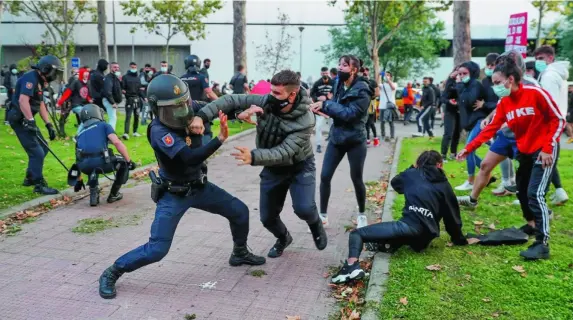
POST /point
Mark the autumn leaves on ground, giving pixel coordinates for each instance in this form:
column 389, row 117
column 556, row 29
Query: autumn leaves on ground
column 480, row 282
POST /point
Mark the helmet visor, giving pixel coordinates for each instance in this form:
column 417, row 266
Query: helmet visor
column 176, row 116
column 56, row 74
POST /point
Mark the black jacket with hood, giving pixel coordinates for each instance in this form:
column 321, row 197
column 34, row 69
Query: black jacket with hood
column 96, row 83
column 449, row 93
column 468, row 94
column 429, row 198
column 349, row 111
column 490, row 99
column 131, row 83
column 428, row 96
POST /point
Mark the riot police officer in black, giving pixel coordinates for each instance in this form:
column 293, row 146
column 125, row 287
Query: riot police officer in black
column 198, row 88
column 27, row 100
column 182, row 183
column 94, row 157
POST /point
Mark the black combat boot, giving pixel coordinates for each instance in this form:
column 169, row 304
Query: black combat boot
column 41, row 187
column 241, row 255
column 538, row 250
column 94, row 196
column 107, row 282
column 114, row 194
column 280, row 246
column 318, row 235
column 28, row 182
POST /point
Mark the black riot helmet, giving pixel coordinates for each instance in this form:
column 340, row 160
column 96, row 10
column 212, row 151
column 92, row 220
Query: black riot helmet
column 90, row 114
column 192, row 63
column 50, row 67
column 169, row 98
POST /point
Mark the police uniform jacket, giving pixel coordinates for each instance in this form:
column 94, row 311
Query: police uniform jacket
column 283, row 139
column 30, row 84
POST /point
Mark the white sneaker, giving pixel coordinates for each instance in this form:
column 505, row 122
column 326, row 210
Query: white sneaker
column 417, row 134
column 125, row 136
column 136, row 134
column 467, row 202
column 560, row 197
column 516, row 203
column 466, row 186
column 361, row 221
column 324, row 219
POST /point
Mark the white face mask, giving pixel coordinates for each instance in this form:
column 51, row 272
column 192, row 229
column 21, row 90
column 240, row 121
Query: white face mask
column 117, row 73
column 163, row 69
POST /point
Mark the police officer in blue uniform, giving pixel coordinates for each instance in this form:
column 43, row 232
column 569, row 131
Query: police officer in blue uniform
column 182, row 183
column 198, row 88
column 26, row 102
column 93, row 156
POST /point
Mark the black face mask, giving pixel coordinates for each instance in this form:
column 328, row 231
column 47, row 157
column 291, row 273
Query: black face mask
column 277, row 104
column 343, row 76
column 324, row 77
column 207, row 66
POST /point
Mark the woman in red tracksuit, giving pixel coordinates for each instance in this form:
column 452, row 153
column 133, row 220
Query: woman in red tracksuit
column 533, row 116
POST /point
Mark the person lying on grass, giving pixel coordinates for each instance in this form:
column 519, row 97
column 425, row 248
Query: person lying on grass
column 429, row 198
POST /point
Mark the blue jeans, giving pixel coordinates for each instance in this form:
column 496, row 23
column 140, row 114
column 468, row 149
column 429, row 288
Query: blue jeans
column 77, row 110
column 473, row 161
column 111, row 113
column 35, row 149
column 276, row 182
column 170, row 209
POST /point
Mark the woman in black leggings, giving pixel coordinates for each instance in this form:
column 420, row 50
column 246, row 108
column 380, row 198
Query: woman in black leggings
column 349, row 110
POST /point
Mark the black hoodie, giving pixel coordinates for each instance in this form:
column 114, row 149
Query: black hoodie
column 449, row 93
column 96, row 83
column 429, row 198
column 468, row 94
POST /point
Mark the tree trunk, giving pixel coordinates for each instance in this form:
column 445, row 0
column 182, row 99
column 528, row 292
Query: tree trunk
column 167, row 53
column 538, row 37
column 65, row 40
column 239, row 34
column 376, row 63
column 462, row 39
column 101, row 23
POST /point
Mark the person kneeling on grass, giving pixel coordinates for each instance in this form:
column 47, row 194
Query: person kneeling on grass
column 429, row 198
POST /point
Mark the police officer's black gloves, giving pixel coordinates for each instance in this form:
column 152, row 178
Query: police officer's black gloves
column 51, row 131
column 30, row 125
column 132, row 165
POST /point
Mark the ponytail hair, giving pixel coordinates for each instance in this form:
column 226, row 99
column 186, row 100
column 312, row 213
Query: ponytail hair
column 429, row 158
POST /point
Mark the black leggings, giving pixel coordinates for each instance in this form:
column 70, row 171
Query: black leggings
column 392, row 232
column 452, row 131
column 371, row 125
column 332, row 157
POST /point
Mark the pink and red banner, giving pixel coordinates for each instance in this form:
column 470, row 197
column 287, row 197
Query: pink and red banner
column 517, row 33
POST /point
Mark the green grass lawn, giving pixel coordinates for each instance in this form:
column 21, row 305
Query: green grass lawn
column 14, row 159
column 478, row 282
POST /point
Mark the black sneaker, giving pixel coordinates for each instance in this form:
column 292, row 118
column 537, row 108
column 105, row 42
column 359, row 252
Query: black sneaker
column 28, row 182
column 538, row 250
column 113, row 197
column 318, row 235
column 42, row 188
column 348, row 272
column 242, row 255
column 527, row 229
column 492, row 179
column 280, row 246
column 107, row 282
column 318, row 149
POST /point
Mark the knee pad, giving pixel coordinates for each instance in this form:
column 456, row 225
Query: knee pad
column 93, row 179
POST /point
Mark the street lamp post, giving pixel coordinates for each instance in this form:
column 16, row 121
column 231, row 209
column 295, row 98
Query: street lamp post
column 114, row 42
column 301, row 29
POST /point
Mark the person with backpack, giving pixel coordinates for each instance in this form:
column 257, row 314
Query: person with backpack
column 408, row 99
column 387, row 104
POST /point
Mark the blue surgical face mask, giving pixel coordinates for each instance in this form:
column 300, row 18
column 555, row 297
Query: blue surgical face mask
column 163, row 69
column 466, row 79
column 117, row 74
column 540, row 65
column 14, row 71
column 500, row 90
column 488, row 72
column 150, row 73
column 133, row 70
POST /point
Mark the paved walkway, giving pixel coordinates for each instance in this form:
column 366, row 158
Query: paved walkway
column 49, row 272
